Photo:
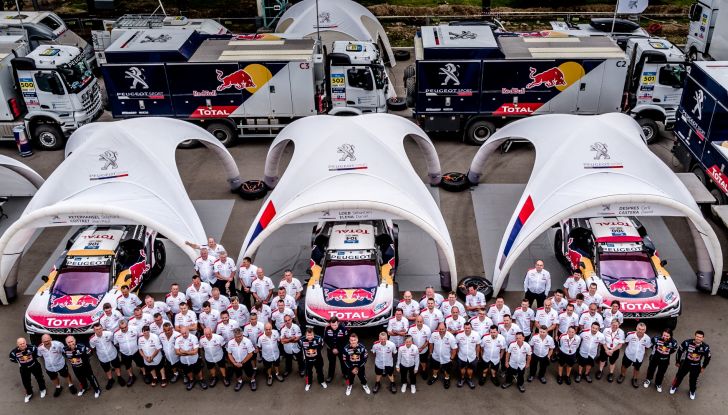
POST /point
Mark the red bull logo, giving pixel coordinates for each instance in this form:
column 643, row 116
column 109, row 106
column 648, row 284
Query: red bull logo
column 239, row 80
column 350, row 296
column 549, row 78
column 138, row 270
column 87, row 301
column 63, row 301
column 632, row 287
column 74, row 302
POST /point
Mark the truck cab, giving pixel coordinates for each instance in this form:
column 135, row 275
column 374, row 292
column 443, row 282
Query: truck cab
column 357, row 78
column 707, row 31
column 58, row 91
column 656, row 77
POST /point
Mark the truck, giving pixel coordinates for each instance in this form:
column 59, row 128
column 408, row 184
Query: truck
column 101, row 39
column 621, row 30
column 701, row 128
column 240, row 86
column 468, row 80
column 708, row 31
column 45, row 28
column 50, row 90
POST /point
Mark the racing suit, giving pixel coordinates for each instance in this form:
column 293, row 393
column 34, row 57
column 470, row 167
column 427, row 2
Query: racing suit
column 660, row 358
column 692, row 358
column 312, row 357
column 355, row 358
column 81, row 364
column 335, row 340
column 27, row 361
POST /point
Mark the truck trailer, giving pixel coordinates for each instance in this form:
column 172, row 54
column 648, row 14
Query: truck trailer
column 247, row 86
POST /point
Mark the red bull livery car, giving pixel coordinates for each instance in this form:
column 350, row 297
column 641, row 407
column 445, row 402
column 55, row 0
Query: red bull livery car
column 352, row 273
column 97, row 261
column 617, row 254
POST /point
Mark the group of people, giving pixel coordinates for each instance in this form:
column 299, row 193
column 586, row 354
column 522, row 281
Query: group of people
column 254, row 331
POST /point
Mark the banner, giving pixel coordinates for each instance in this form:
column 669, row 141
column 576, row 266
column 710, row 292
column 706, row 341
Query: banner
column 631, row 6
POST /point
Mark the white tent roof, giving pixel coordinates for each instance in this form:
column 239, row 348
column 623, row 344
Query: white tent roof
column 351, row 168
column 17, row 179
column 336, row 20
column 118, row 173
column 590, row 166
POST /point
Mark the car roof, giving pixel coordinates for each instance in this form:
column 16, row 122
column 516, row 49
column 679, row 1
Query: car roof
column 351, row 236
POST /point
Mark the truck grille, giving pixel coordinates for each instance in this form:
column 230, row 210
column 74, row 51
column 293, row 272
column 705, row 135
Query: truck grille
column 92, row 100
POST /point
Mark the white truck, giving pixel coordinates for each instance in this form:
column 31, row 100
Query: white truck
column 708, row 31
column 50, row 90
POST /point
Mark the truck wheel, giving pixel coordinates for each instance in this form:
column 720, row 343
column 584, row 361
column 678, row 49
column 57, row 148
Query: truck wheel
column 650, row 129
column 222, row 132
column 718, row 195
column 410, row 92
column 478, row 132
column 692, row 55
column 454, row 182
column 253, row 190
column 160, row 258
column 700, row 174
column 409, row 72
column 396, row 104
column 401, row 55
column 188, row 144
column 48, row 137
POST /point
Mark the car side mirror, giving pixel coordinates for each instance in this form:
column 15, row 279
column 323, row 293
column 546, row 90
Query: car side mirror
column 44, row 278
column 127, row 277
column 663, row 262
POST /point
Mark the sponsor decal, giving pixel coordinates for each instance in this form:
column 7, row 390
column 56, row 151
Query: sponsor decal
column 559, row 77
column 214, row 111
column 351, row 239
column 62, row 322
column 649, row 78
column 693, row 125
column 324, row 21
column 522, row 108
column 601, row 154
column 98, row 236
column 84, row 261
column 350, row 255
column 347, row 153
column 349, row 296
column 204, row 93
column 451, row 73
column 251, row 78
column 84, row 219
column 342, row 215
column 513, row 91
column 718, row 177
column 699, row 98
column 138, row 79
column 265, row 218
column 642, row 306
column 109, row 166
column 138, row 269
column 74, row 302
column 464, row 34
column 356, row 231
column 633, row 287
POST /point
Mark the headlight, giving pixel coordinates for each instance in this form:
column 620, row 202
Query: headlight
column 32, row 325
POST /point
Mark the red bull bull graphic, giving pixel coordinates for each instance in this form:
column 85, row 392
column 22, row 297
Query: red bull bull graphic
column 239, row 79
column 633, row 287
column 66, row 302
column 138, row 270
column 549, row 78
column 349, row 296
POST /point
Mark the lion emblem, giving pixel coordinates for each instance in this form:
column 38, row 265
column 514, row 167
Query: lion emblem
column 347, row 152
column 601, row 149
column 109, row 157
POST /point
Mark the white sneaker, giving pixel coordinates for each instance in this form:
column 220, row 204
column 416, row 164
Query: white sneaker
column 366, row 389
column 673, row 390
column 308, row 387
column 97, row 393
column 646, row 384
column 413, row 388
column 324, row 385
column 659, row 388
column 692, row 395
column 42, row 393
column 404, row 387
column 81, row 392
column 348, row 390
column 27, row 398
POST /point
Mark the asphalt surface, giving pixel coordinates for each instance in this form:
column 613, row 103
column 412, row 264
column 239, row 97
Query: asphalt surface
column 197, row 168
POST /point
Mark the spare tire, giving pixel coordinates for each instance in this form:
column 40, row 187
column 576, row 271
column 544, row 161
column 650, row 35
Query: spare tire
column 481, row 285
column 253, row 190
column 410, row 92
column 401, row 55
column 409, row 72
column 454, row 182
column 396, row 104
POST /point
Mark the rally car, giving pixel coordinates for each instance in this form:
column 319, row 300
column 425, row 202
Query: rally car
column 617, row 254
column 352, row 270
column 97, row 261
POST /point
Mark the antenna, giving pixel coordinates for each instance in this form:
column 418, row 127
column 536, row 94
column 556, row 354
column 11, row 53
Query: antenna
column 161, row 6
column 319, row 47
column 22, row 26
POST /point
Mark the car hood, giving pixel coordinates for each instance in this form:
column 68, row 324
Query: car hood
column 67, row 311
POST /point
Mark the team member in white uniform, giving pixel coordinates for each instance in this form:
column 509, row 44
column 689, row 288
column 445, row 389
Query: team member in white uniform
column 208, row 317
column 474, row 301
column 247, row 273
column 591, row 342
column 290, row 335
column 185, row 318
column 547, row 316
column 567, row 319
column 468, row 349
column 431, row 315
column 292, row 285
column 268, row 345
column 430, row 293
column 213, row 248
column 420, row 335
column 591, row 296
column 568, row 346
column 580, row 307
column 126, row 301
column 278, row 316
column 226, row 327
column 537, row 284
column 111, row 318
column 452, row 301
column 613, row 341
column 152, row 307
column 455, row 322
column 492, row 350
column 187, row 348
column 288, row 301
column 225, row 272
column 574, row 285
column 102, row 342
column 384, row 351
column 397, row 327
column 174, row 298
column 139, row 320
column 590, row 316
column 558, row 301
column 518, row 358
column 157, row 326
column 509, row 329
column 55, row 364
column 408, row 361
column 238, row 312
column 171, row 360
column 410, row 308
column 613, row 313
column 524, row 316
column 198, row 293
column 261, row 288
column 241, row 354
column 637, row 342
column 150, row 349
column 212, row 345
column 205, row 266
column 263, row 311
column 498, row 310
column 218, row 301
column 443, row 348
column 481, row 323
column 543, row 347
column 251, row 331
column 126, row 340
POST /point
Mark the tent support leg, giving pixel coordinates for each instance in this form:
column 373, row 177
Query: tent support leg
column 705, row 273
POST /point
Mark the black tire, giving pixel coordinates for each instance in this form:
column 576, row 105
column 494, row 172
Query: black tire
column 396, row 104
column 718, row 195
column 478, row 132
column 409, row 72
column 48, row 137
column 558, row 243
column 650, row 129
column 692, row 55
column 401, row 55
column 188, row 144
column 222, row 132
column 454, row 182
column 410, row 87
column 253, row 190
column 396, row 249
column 160, row 258
column 700, row 174
column 481, row 285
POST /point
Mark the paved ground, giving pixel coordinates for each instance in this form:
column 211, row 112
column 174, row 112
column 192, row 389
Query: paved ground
column 198, row 173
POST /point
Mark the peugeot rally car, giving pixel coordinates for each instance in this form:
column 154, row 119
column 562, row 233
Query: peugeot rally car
column 352, row 273
column 618, row 255
column 97, row 261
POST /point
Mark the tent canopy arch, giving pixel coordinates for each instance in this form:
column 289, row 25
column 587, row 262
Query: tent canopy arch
column 17, row 179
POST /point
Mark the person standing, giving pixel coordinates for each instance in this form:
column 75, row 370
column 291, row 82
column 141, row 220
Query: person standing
column 311, row 347
column 225, row 272
column 241, row 352
column 537, row 284
column 492, row 350
column 173, row 299
column 431, row 315
column 127, row 341
column 468, row 350
column 205, row 267
column 102, row 341
column 79, row 356
column 247, row 273
column 613, row 341
column 55, row 363
column 212, row 246
column 212, row 345
column 547, row 316
column 637, row 342
column 197, row 293
column 111, row 318
column 290, row 335
column 336, row 337
column 574, row 285
column 420, row 335
column 663, row 346
column 525, row 317
column 355, row 359
column 410, row 308
column 187, row 348
column 384, row 351
column 693, row 356
column 292, row 285
column 518, row 358
column 26, row 356
column 268, row 343
column 498, row 310
column 127, row 301
column 542, row 346
column 591, row 342
column 150, row 350
column 261, row 288
column 474, row 301
column 171, row 360
column 408, row 360
column 431, row 294
column 568, row 346
column 443, row 349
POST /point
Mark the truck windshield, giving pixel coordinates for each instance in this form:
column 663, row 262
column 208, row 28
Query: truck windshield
column 672, row 75
column 350, row 274
column 76, row 75
column 380, row 76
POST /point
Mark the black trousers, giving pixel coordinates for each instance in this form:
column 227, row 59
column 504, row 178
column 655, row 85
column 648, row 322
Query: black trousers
column 362, row 376
column 35, row 371
column 538, row 297
column 317, row 364
column 228, row 292
column 407, row 375
column 332, row 358
column 540, row 363
column 659, row 365
column 512, row 372
column 288, row 358
column 685, row 368
column 86, row 377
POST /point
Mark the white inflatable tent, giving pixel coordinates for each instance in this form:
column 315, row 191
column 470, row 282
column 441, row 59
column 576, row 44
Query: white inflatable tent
column 351, row 168
column 17, row 179
column 336, row 20
column 590, row 166
column 117, row 173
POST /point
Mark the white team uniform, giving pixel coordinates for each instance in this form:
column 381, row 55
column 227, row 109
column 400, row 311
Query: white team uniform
column 497, row 315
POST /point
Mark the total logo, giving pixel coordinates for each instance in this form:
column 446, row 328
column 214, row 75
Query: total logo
column 56, row 322
column 559, row 77
column 718, row 177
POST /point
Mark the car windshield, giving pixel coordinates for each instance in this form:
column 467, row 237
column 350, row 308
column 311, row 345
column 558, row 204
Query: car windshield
column 351, row 274
column 620, row 266
column 82, row 280
column 76, row 75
